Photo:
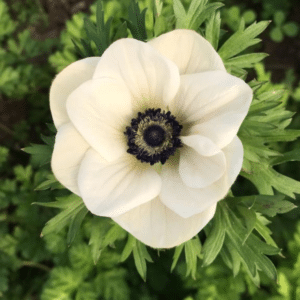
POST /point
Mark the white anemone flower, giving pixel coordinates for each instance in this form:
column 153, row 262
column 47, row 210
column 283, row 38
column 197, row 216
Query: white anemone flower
column 147, row 134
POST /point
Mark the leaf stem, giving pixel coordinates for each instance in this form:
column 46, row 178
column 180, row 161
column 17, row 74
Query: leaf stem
column 35, row 265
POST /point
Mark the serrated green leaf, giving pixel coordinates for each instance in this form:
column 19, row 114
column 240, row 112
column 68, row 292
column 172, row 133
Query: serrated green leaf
column 72, row 206
column 235, row 257
column 242, row 39
column 136, row 21
column 86, row 291
column 76, row 223
column 140, row 255
column 121, row 32
column 180, row 14
column 178, row 251
column 246, row 60
column 50, row 183
column 205, row 13
column 265, row 232
column 293, row 155
column 40, row 153
column 160, row 25
column 212, row 31
column 64, row 279
column 100, row 227
column 192, row 249
column 271, row 95
column 214, row 241
column 238, row 72
column 262, row 107
column 114, row 233
column 249, row 217
column 80, row 258
column 269, row 205
column 131, row 243
column 253, row 250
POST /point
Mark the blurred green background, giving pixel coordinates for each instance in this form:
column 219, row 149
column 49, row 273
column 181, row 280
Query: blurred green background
column 35, row 44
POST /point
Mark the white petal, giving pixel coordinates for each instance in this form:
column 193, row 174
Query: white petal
column 189, row 51
column 66, row 82
column 111, row 189
column 159, row 227
column 152, row 79
column 234, row 153
column 69, row 150
column 207, row 96
column 220, row 129
column 101, row 109
column 203, row 145
column 197, row 170
column 186, row 201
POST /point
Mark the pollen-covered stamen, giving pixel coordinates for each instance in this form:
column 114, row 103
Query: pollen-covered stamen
column 153, row 136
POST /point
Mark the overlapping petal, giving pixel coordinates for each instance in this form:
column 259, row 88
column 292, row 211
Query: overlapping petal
column 152, row 79
column 65, row 83
column 157, row 226
column 111, row 189
column 201, row 162
column 186, row 201
column 100, row 110
column 69, row 150
column 188, row 50
column 205, row 98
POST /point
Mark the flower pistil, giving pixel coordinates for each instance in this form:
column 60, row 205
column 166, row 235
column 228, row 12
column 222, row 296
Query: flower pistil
column 153, row 136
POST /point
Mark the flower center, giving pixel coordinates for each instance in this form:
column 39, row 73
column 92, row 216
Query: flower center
column 153, row 136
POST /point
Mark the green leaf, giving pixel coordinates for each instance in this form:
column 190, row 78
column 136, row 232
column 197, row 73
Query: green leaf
column 71, row 205
column 246, row 60
column 291, row 29
column 86, row 291
column 140, row 255
column 176, row 256
column 192, row 249
column 293, row 155
column 40, row 153
column 180, row 14
column 100, row 227
column 114, row 233
column 202, row 15
column 136, row 21
column 279, row 17
column 75, row 224
column 131, row 243
column 80, row 258
column 264, row 231
column 253, row 250
column 269, row 205
column 121, row 32
column 212, row 31
column 160, row 25
column 249, row 217
column 276, row 35
column 64, row 279
column 242, row 39
column 215, row 239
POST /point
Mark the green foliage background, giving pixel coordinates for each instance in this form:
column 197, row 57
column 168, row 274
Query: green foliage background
column 48, row 268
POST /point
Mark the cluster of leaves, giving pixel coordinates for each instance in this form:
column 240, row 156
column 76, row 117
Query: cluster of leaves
column 19, row 76
column 273, row 10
